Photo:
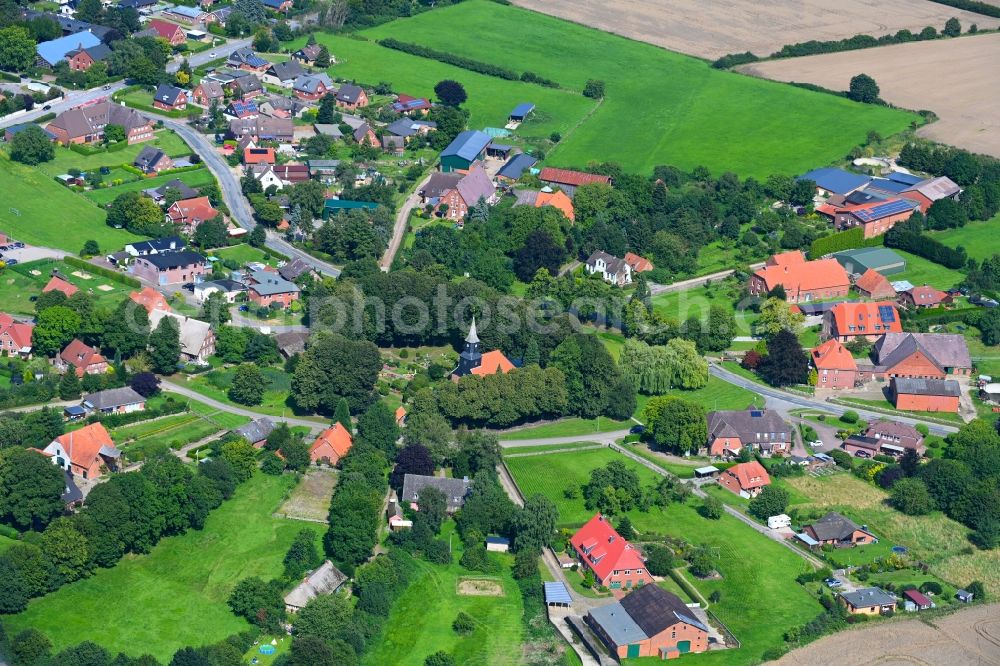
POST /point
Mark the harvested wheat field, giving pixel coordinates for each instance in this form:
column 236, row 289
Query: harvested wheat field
column 970, row 636
column 958, row 79
column 713, row 29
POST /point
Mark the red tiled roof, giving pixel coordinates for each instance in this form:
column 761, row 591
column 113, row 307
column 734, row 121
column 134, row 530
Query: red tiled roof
column 150, row 299
column 493, row 362
column 557, row 199
column 868, row 315
column 638, row 264
column 606, row 550
column 187, row 210
column 744, row 472
column 258, row 155
column 79, row 355
column 59, row 284
column 84, row 445
column 927, row 295
column 875, row 283
column 790, row 258
column 334, row 439
column 20, row 334
column 798, row 276
column 164, row 29
column 575, row 178
column 832, row 355
column 917, row 598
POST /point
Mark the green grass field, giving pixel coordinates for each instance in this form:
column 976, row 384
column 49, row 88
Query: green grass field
column 215, row 384
column 243, row 254
column 752, row 566
column 175, row 595
column 681, row 305
column 978, row 238
column 922, row 271
column 660, row 107
column 195, row 179
column 420, row 621
column 67, row 159
column 6, row 542
column 49, row 214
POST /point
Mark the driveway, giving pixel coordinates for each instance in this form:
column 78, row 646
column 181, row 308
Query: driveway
column 400, row 226
column 174, row 387
column 220, row 51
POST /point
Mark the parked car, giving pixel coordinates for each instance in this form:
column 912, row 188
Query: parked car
column 637, row 430
column 832, row 583
column 17, row 245
column 244, row 308
column 11, row 262
column 816, row 443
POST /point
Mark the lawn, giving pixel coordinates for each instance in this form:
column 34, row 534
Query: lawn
column 885, row 404
column 215, row 384
column 545, row 448
column 173, row 432
column 978, row 238
column 16, row 291
column 682, row 305
column 244, row 254
column 570, row 427
column 67, row 159
column 420, row 621
column 659, row 108
column 40, row 211
column 922, row 271
column 197, row 178
column 490, row 99
column 934, row 539
column 752, row 566
column 176, row 595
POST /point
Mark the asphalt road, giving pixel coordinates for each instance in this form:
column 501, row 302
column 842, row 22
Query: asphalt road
column 221, row 51
column 172, row 387
column 74, row 98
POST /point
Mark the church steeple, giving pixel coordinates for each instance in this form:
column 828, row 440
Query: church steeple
column 471, row 357
column 472, row 337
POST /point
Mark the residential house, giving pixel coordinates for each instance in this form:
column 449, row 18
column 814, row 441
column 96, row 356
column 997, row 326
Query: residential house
column 868, row 601
column 82, row 358
column 173, row 33
column 465, row 150
column 229, row 289
column 282, row 6
column 923, row 297
column 170, row 98
column 745, row 479
column 141, row 6
column 461, row 192
column 245, row 87
column 170, row 268
column 281, row 106
column 85, row 124
column 256, row 432
column 473, row 362
column 331, row 446
column 568, row 180
column 15, row 336
column 247, row 60
column 323, row 169
column 221, row 15
column 611, row 268
column 364, row 135
column 265, row 288
column 283, row 74
column 312, row 86
column 835, row 365
column 291, row 343
column 307, row 54
column 57, row 283
column 242, row 109
column 803, row 281
column 874, row 285
column 848, row 321
column 649, row 622
column 925, row 395
column 87, row 452
column 351, row 97
column 265, row 175
column 762, row 430
column 55, row 51
column 152, row 160
column 638, row 263
column 83, row 58
column 409, row 105
column 259, row 156
column 874, row 218
column 922, row 355
column 196, row 336
column 917, row 600
column 515, row 167
column 400, row 415
column 559, row 200
column 615, row 562
column 150, row 299
column 830, row 180
column 187, row 15
column 156, row 245
column 454, row 490
column 183, row 191
column 264, row 128
column 114, row 401
column 326, row 579
column 189, row 213
column 836, row 530
column 207, row 92
column 887, row 438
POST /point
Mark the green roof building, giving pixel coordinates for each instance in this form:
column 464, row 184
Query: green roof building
column 883, row 260
column 335, row 206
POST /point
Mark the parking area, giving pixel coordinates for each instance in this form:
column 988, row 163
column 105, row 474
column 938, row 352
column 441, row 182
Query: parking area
column 15, row 252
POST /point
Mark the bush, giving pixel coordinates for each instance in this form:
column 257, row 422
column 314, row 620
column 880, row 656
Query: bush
column 734, row 59
column 451, row 59
column 464, row 624
column 843, row 240
column 849, row 417
column 931, row 586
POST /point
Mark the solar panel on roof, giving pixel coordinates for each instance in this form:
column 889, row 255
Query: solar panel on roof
column 883, row 210
column 887, row 314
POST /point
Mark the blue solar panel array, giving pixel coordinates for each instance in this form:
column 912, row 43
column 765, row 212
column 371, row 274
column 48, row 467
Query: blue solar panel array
column 883, row 210
column 887, row 314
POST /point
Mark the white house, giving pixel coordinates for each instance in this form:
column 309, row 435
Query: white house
column 229, row 288
column 612, row 269
column 266, row 176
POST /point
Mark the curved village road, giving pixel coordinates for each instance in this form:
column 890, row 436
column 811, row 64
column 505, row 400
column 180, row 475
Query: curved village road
column 399, row 228
column 172, row 387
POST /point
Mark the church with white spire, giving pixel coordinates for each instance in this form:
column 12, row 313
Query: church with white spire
column 472, row 361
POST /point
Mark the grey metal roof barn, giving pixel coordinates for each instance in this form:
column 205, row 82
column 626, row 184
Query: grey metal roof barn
column 935, row 387
column 327, row 579
column 881, row 259
column 465, row 149
column 255, row 431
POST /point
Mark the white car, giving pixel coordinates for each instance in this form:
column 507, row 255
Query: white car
column 213, row 54
column 816, row 443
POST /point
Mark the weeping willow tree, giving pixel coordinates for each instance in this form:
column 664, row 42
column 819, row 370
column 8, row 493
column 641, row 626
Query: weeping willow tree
column 654, row 370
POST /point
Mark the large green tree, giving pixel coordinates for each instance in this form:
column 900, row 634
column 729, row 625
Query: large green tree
column 17, row 51
column 31, row 145
column 248, row 385
column 165, row 346
column 377, row 426
column 675, row 424
column 56, row 327
column 130, row 332
column 30, row 489
column 136, row 213
column 590, row 373
column 336, row 367
column 786, row 362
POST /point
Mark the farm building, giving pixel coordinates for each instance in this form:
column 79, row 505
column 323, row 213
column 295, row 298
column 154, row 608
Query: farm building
column 847, row 321
column 649, row 622
column 801, row 280
column 568, row 180
column 880, row 259
column 830, row 180
column 615, row 562
column 515, row 167
column 521, row 112
column 874, row 218
column 327, row 579
column 922, row 355
column 874, row 285
column 835, row 366
column 455, row 490
column 335, row 206
column 466, row 149
column 925, row 395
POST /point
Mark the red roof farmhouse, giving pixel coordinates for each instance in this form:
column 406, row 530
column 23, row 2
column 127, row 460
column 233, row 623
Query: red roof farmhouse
column 847, row 321
column 616, row 563
column 83, row 359
column 802, row 280
column 85, row 124
column 835, row 366
column 874, row 285
column 925, row 395
column 86, row 452
column 922, row 355
column 331, row 445
column 568, row 180
column 15, row 336
column 762, row 430
column 745, row 479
